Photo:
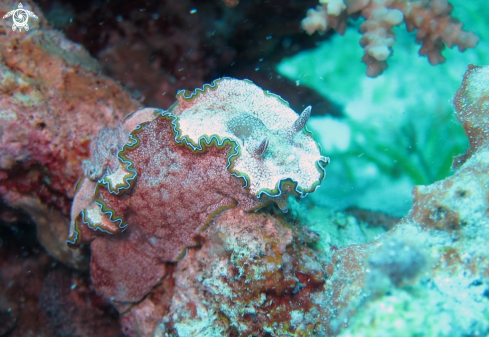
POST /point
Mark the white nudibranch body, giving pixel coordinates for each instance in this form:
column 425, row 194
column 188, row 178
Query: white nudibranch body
column 274, row 145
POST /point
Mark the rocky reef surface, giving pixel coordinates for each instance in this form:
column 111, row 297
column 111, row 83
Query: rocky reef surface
column 53, row 103
column 264, row 274
column 248, row 268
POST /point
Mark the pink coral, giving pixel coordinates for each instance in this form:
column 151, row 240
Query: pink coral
column 435, row 27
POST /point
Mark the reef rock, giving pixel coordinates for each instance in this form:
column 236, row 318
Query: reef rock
column 254, row 275
column 428, row 275
column 53, row 102
column 72, row 308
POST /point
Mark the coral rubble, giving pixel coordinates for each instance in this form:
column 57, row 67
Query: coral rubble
column 436, row 28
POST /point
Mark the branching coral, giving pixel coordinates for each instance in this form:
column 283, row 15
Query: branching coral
column 435, row 27
column 228, row 143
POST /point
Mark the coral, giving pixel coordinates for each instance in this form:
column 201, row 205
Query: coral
column 420, row 136
column 231, row 3
column 143, row 318
column 397, row 261
column 159, row 184
column 53, row 101
column 432, row 20
column 226, row 144
column 405, row 315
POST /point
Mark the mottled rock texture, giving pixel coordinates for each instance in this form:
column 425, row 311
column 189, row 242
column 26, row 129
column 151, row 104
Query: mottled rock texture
column 53, row 102
column 253, row 275
column 73, row 309
column 41, row 297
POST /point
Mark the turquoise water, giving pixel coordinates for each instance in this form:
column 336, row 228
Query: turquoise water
column 399, row 129
column 392, row 243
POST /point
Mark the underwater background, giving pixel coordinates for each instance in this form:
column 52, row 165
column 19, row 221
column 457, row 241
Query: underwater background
column 143, row 192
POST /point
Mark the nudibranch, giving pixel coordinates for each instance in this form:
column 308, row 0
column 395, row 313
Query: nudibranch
column 274, row 150
column 163, row 175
